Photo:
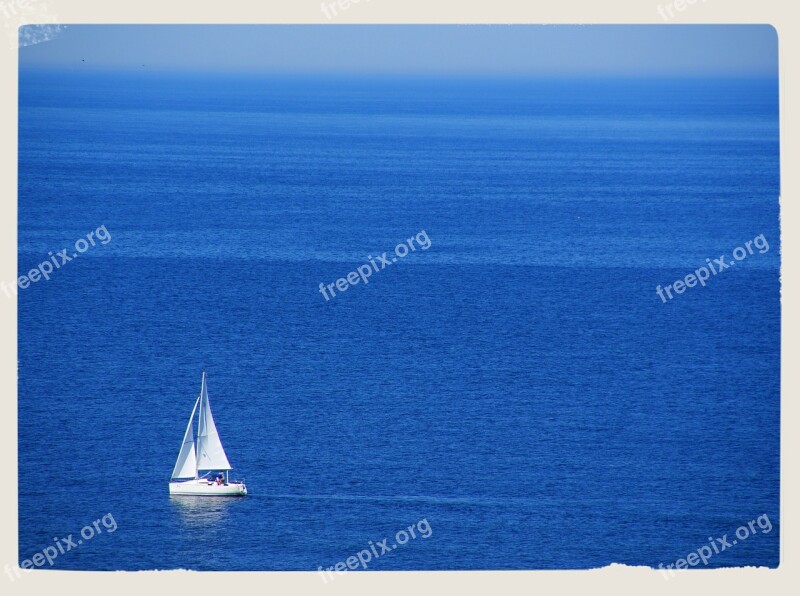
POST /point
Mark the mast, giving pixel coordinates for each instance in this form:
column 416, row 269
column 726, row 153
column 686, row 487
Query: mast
column 197, row 442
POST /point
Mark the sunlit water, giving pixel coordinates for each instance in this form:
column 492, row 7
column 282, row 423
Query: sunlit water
column 519, row 384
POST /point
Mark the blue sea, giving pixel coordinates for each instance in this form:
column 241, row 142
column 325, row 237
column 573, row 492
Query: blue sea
column 519, row 386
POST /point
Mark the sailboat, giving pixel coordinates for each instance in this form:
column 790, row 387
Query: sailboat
column 203, row 455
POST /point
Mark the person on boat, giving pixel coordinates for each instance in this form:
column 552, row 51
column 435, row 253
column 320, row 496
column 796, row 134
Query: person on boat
column 219, row 479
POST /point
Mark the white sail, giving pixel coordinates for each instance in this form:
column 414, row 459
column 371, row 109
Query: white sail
column 210, row 454
column 186, row 466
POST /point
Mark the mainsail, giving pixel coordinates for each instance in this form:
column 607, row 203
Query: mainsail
column 186, row 466
column 210, row 454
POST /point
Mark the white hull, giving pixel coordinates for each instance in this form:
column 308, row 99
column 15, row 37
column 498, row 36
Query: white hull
column 205, row 488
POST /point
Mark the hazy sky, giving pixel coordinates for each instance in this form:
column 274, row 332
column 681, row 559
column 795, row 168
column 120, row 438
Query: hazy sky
column 425, row 49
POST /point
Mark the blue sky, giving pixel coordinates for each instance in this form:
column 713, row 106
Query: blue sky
column 552, row 50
